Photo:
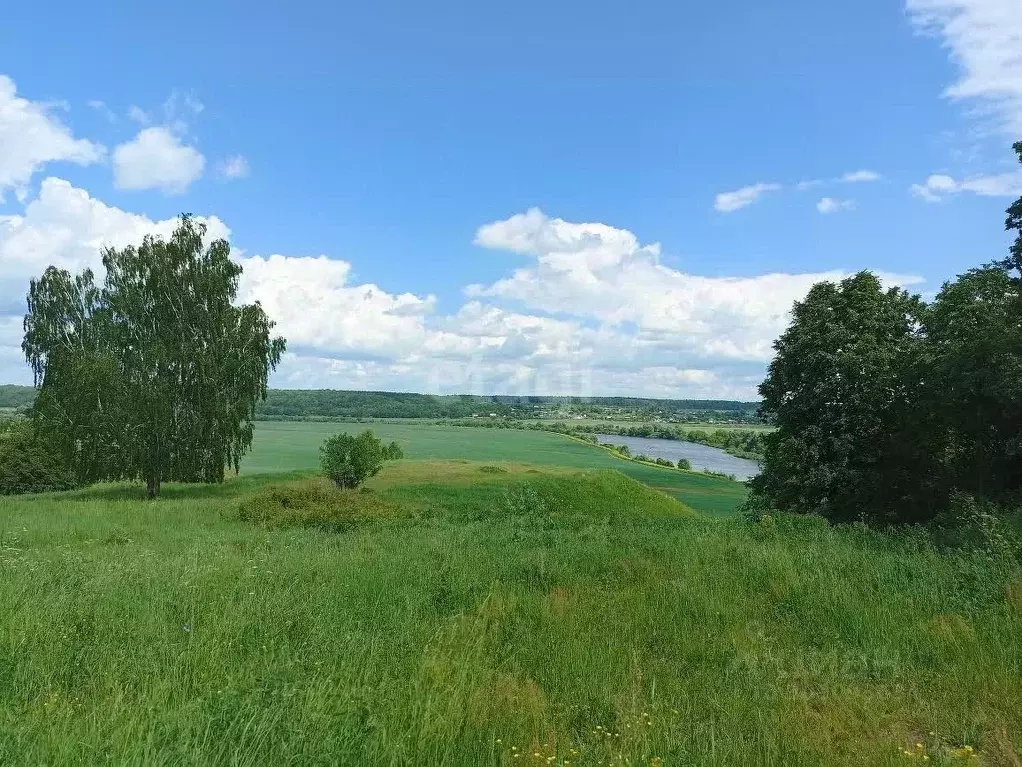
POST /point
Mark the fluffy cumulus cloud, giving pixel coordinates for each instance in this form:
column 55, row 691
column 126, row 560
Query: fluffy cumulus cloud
column 316, row 307
column 984, row 38
column 939, row 186
column 592, row 311
column 602, row 276
column 157, row 159
column 65, row 227
column 32, row 136
column 728, row 202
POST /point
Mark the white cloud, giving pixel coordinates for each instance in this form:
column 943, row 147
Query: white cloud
column 601, row 274
column 859, row 176
column 594, row 310
column 314, row 306
column 181, row 105
column 727, row 202
column 235, row 166
column 803, row 185
column 156, row 159
column 67, row 228
column 103, row 109
column 938, row 186
column 984, row 38
column 139, row 115
column 30, row 137
column 830, row 205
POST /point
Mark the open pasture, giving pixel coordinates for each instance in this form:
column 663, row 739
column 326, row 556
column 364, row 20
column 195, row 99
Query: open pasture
column 471, row 613
column 294, row 446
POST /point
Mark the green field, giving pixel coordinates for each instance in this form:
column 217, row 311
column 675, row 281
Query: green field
column 468, row 613
column 294, row 446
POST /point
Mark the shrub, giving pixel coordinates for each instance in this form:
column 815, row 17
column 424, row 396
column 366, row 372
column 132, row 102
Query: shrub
column 720, row 474
column 643, row 457
column 312, row 503
column 978, row 524
column 27, row 465
column 623, row 449
column 664, row 462
column 684, row 463
column 349, row 461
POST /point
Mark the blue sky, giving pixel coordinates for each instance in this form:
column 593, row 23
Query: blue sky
column 587, row 198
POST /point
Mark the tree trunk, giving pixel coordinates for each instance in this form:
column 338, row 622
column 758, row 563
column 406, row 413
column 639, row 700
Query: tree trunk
column 152, row 487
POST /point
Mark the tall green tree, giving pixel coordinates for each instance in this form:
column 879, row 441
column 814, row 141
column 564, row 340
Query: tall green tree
column 842, row 392
column 153, row 375
column 974, row 356
column 1014, row 223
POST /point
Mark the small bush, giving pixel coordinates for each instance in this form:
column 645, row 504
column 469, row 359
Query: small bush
column 493, row 470
column 720, row 474
column 27, row 465
column 312, row 503
column 664, row 462
column 643, row 457
column 756, row 507
column 976, row 524
column 524, row 505
column 684, row 463
column 349, row 461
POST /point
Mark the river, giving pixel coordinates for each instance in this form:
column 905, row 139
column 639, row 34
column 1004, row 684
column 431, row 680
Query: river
column 702, row 457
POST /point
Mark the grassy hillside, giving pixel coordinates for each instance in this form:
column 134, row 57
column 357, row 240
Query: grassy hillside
column 463, row 613
column 290, row 446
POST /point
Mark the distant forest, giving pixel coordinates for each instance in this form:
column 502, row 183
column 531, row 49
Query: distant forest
column 298, row 404
column 13, row 397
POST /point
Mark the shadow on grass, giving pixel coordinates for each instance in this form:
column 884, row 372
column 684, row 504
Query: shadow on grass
column 229, row 488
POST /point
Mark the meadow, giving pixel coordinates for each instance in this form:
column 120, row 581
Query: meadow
column 294, row 446
column 481, row 613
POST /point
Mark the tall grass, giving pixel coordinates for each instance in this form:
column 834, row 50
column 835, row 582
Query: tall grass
column 585, row 619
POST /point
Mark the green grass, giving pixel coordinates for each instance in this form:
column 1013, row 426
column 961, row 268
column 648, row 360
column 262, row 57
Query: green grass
column 462, row 612
column 294, row 446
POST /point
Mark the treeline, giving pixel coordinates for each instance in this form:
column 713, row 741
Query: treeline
column 16, row 397
column 299, row 404
column 893, row 410
column 741, row 443
column 307, row 404
column 330, row 404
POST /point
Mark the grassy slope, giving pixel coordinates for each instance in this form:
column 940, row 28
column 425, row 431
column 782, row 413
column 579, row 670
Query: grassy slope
column 447, row 633
column 287, row 446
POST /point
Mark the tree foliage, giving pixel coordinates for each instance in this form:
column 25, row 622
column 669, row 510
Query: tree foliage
column 841, row 393
column 350, row 460
column 153, row 374
column 974, row 365
column 887, row 408
column 27, row 464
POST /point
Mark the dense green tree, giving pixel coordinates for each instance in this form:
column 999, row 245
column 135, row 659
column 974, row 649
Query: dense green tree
column 842, row 391
column 153, row 375
column 350, row 460
column 974, row 358
column 1014, row 223
column 27, row 464
column 974, row 372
